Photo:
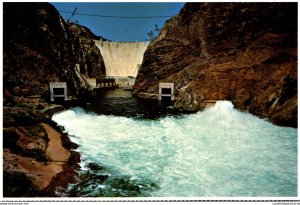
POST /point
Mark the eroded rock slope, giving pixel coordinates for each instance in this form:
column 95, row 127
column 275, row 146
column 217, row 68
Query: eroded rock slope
column 243, row 52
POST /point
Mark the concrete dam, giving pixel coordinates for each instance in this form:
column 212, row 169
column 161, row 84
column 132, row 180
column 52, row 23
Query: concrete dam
column 122, row 59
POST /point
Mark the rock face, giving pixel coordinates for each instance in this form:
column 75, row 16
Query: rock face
column 34, row 155
column 243, row 52
column 86, row 52
column 38, row 48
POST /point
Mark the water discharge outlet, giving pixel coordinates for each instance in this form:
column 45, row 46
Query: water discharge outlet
column 58, row 90
column 166, row 91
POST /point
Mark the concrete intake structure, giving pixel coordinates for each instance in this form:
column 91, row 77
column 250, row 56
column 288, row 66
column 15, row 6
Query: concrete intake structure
column 58, row 90
column 166, row 91
column 122, row 59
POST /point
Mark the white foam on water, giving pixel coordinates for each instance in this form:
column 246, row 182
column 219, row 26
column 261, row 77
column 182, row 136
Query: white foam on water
column 217, row 152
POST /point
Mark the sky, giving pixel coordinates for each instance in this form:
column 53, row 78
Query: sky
column 120, row 29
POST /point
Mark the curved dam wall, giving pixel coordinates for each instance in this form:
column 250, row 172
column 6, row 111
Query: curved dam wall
column 122, row 59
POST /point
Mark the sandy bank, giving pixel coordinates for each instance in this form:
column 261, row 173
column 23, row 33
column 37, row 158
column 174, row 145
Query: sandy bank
column 42, row 174
column 55, row 151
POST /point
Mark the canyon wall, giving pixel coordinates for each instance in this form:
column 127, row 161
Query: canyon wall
column 86, row 52
column 40, row 47
column 122, row 58
column 243, row 52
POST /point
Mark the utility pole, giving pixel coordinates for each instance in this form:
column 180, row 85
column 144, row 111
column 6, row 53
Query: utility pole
column 72, row 15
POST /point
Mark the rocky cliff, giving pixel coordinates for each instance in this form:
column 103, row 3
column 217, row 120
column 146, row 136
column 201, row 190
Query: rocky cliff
column 86, row 52
column 40, row 47
column 243, row 52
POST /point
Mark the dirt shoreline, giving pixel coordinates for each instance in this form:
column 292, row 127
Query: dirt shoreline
column 38, row 157
column 71, row 159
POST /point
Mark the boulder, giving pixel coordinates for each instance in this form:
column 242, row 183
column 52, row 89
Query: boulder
column 52, row 109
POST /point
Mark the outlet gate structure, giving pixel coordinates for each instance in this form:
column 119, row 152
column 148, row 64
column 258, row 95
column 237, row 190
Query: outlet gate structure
column 166, row 91
column 58, row 90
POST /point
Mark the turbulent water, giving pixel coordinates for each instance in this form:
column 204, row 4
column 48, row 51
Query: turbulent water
column 218, row 152
column 122, row 59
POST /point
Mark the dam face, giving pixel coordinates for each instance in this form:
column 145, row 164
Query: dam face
column 122, row 60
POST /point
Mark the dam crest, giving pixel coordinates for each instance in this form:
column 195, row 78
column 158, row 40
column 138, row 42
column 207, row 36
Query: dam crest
column 122, row 60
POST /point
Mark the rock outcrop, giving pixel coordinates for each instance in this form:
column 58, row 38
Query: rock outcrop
column 243, row 52
column 40, row 47
column 35, row 151
column 86, row 52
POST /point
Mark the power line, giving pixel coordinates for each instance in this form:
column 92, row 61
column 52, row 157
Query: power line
column 122, row 17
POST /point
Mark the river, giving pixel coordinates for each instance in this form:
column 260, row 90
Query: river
column 131, row 147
